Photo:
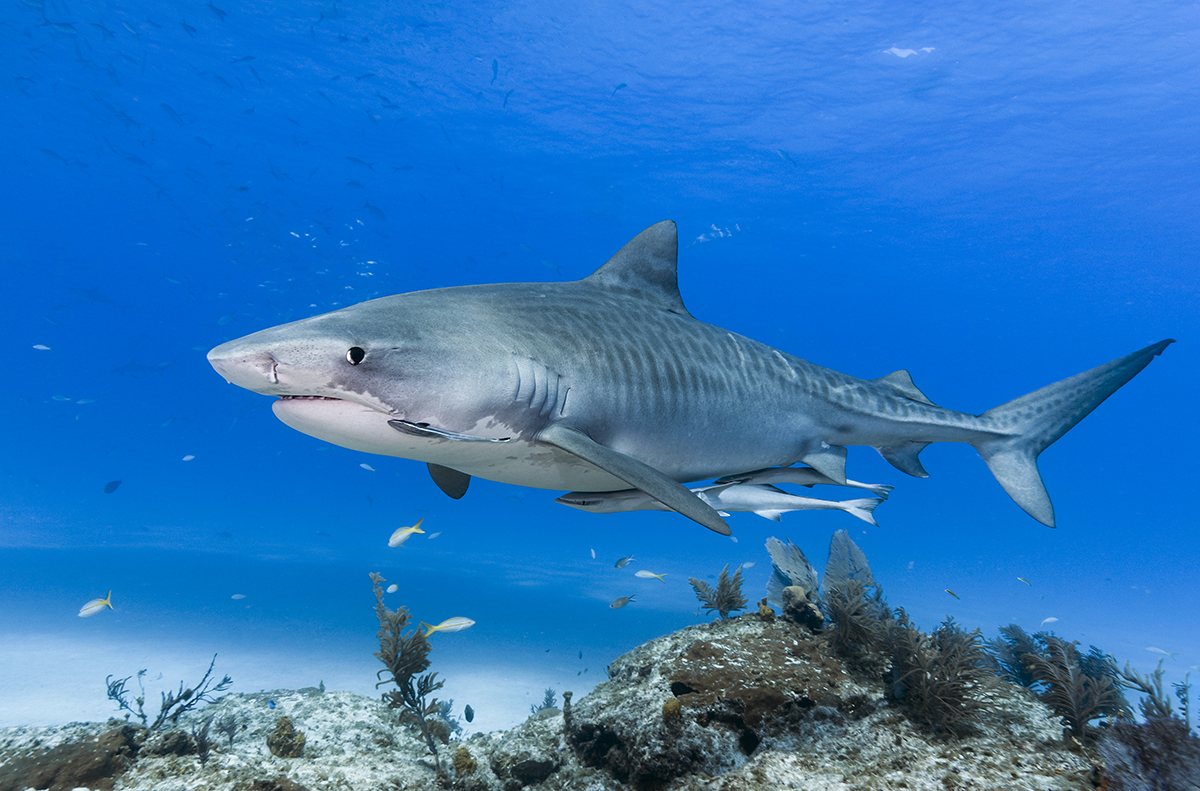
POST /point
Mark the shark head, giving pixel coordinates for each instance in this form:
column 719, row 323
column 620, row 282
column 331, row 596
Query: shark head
column 328, row 383
column 341, row 376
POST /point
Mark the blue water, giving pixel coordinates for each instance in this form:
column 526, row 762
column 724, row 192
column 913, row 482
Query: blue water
column 994, row 198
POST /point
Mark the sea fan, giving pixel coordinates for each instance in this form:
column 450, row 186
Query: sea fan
column 727, row 596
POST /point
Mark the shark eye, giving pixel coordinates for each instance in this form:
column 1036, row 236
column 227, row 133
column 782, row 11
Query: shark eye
column 355, row 355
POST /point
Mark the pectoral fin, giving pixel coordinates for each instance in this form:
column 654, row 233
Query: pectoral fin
column 829, row 460
column 637, row 474
column 429, row 432
column 452, row 482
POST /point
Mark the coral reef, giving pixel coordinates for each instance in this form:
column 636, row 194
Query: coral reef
column 404, row 656
column 846, row 562
column 760, row 706
column 285, row 741
column 94, row 763
column 790, row 568
column 174, row 704
column 726, row 597
column 799, row 610
column 464, row 764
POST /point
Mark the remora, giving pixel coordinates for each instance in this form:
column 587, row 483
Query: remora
column 608, row 382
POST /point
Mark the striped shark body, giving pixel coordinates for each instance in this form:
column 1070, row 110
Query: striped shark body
column 608, row 383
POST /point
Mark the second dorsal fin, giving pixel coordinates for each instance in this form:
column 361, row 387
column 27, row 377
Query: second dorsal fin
column 902, row 382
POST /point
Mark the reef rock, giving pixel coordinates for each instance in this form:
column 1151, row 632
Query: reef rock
column 732, row 705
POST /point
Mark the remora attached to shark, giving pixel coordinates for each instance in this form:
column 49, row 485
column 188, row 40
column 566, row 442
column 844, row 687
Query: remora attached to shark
column 608, row 383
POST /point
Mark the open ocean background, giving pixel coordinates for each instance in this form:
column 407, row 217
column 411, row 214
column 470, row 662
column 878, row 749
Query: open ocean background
column 993, row 196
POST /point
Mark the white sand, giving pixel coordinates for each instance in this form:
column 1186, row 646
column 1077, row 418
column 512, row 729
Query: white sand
column 45, row 680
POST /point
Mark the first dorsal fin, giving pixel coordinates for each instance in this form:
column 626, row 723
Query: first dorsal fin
column 645, row 266
column 902, row 382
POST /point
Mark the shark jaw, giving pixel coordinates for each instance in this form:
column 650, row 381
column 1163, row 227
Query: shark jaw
column 358, row 427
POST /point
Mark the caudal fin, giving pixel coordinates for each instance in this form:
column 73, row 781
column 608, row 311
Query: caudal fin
column 861, row 508
column 1028, row 425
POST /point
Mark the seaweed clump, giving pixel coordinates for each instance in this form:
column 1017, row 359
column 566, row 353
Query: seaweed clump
column 1078, row 688
column 174, row 704
column 549, row 701
column 935, row 676
column 726, row 597
column 1160, row 753
column 405, row 656
column 1006, row 654
column 861, row 620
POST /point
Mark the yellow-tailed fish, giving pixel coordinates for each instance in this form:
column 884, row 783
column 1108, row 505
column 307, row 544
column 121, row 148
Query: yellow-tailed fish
column 952, row 593
column 649, row 575
column 95, row 606
column 455, row 624
column 1022, row 579
column 402, row 534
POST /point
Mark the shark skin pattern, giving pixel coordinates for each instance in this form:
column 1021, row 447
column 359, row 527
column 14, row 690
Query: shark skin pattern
column 608, row 383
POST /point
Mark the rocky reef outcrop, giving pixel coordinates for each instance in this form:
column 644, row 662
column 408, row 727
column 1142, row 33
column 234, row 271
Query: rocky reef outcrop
column 733, row 705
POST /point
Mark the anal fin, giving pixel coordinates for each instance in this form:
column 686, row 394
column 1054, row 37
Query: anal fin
column 452, row 482
column 903, row 456
column 637, row 474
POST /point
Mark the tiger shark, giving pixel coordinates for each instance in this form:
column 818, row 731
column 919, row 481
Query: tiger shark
column 609, row 383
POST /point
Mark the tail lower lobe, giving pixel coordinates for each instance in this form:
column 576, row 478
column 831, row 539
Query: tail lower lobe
column 1028, row 425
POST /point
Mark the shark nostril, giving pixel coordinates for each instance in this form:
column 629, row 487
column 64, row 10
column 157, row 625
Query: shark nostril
column 273, row 375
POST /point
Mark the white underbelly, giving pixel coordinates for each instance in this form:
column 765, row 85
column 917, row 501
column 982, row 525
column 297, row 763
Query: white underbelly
column 517, row 462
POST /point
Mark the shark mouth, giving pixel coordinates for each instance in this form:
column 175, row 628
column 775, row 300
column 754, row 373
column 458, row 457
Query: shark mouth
column 308, row 398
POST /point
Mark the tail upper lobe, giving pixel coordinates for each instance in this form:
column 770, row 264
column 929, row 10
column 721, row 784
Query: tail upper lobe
column 1030, row 424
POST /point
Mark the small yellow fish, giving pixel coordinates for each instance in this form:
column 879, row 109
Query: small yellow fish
column 402, row 534
column 649, row 575
column 1022, row 579
column 455, row 624
column 952, row 593
column 95, row 606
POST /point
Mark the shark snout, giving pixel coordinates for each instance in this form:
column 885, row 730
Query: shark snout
column 252, row 369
